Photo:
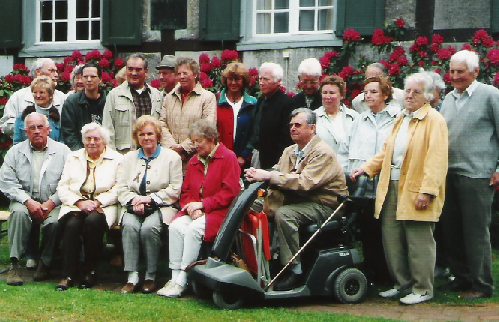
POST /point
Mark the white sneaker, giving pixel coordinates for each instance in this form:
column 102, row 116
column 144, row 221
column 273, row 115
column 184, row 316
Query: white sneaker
column 31, row 263
column 173, row 291
column 414, row 298
column 164, row 290
column 389, row 293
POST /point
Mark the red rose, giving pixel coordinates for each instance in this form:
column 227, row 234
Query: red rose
column 467, row 47
column 394, row 70
column 379, row 38
column 3, row 100
column 230, row 55
column 20, row 67
column 421, row 63
column 106, row 78
column 444, row 54
column 204, row 58
column 496, row 80
column 156, row 83
column 482, row 37
column 422, row 41
column 291, row 94
column 206, row 68
column 108, row 54
column 403, row 61
column 68, row 60
column 207, row 83
column 385, row 63
column 447, row 78
column 437, row 39
column 66, row 76
column 119, row 63
column 325, row 62
column 346, row 72
column 104, row 63
column 400, row 23
column 493, row 57
column 351, row 35
column 76, row 55
column 60, row 67
column 93, row 55
column 27, row 80
column 215, row 62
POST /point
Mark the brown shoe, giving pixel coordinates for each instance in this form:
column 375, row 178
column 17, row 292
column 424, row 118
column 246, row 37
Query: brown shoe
column 13, row 276
column 128, row 288
column 65, row 284
column 474, row 295
column 148, row 287
column 42, row 272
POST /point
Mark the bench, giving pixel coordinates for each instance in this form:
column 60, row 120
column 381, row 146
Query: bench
column 4, row 216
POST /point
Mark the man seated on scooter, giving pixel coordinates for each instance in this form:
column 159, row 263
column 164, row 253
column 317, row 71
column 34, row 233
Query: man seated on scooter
column 303, row 189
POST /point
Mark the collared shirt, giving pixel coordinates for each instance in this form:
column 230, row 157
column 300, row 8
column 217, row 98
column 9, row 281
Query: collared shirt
column 206, row 161
column 144, row 181
column 37, row 158
column 300, row 154
column 463, row 97
column 88, row 187
column 142, row 101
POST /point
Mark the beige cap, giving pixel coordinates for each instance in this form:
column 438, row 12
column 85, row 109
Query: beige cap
column 168, row 61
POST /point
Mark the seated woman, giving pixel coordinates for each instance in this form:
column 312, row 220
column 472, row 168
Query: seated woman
column 42, row 88
column 211, row 184
column 89, row 203
column 149, row 183
column 412, row 168
column 235, row 111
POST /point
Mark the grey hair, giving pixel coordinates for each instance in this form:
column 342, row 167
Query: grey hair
column 379, row 66
column 205, row 129
column 310, row 67
column 470, row 58
column 33, row 114
column 78, row 70
column 311, row 116
column 138, row 56
column 275, row 69
column 104, row 133
column 426, row 80
column 38, row 64
column 437, row 80
column 191, row 63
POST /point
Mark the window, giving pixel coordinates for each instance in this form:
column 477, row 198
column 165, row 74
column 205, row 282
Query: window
column 273, row 17
column 68, row 21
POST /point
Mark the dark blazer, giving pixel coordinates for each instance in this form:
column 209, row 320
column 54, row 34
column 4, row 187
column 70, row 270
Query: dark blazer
column 299, row 101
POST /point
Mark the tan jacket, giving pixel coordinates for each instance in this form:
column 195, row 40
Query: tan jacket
column 315, row 179
column 119, row 115
column 424, row 168
column 176, row 118
column 164, row 180
column 75, row 174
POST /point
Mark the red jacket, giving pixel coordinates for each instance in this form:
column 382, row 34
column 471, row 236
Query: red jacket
column 220, row 186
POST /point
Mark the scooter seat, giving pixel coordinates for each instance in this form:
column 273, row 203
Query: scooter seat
column 330, row 226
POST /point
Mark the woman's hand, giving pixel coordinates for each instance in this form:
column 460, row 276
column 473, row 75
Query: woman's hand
column 356, row 173
column 192, row 206
column 141, row 200
column 423, row 201
column 138, row 209
column 196, row 214
column 87, row 206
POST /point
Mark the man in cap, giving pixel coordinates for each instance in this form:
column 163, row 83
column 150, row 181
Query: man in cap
column 166, row 70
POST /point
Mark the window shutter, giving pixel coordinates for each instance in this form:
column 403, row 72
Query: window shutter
column 219, row 19
column 494, row 16
column 11, row 24
column 121, row 22
column 363, row 15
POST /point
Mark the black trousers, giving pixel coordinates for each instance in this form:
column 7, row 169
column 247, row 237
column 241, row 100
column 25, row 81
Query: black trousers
column 82, row 229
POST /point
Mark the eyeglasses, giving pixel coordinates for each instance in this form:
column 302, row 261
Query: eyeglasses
column 297, row 125
column 89, row 139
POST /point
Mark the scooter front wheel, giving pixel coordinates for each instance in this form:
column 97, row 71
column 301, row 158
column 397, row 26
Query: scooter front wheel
column 350, row 286
column 200, row 290
column 228, row 300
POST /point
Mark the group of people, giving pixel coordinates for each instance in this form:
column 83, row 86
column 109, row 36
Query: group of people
column 148, row 159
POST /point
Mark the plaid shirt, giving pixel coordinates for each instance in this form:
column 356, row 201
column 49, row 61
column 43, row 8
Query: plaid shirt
column 142, row 101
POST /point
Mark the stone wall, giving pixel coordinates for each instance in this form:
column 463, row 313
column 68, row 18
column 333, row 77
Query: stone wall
column 450, row 14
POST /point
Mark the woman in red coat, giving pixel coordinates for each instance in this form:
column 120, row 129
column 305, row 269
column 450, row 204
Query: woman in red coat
column 211, row 184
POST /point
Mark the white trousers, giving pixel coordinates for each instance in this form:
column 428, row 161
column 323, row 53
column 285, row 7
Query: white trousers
column 185, row 238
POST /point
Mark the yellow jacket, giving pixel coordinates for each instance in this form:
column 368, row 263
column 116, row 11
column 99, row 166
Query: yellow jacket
column 424, row 168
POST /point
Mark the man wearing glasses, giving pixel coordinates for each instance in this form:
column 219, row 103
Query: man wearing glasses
column 309, row 74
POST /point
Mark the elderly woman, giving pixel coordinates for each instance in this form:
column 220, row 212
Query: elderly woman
column 187, row 103
column 149, row 183
column 76, row 80
column 440, row 87
column 334, row 119
column 89, row 203
column 235, row 112
column 410, row 195
column 43, row 89
column 210, row 186
column 309, row 74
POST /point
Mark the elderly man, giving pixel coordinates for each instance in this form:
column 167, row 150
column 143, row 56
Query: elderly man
column 166, row 71
column 309, row 74
column 376, row 70
column 29, row 177
column 304, row 185
column 270, row 132
column 83, row 107
column 129, row 101
column 472, row 114
column 23, row 98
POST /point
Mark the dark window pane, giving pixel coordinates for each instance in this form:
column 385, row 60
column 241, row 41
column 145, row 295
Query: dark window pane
column 82, row 30
column 307, row 3
column 82, row 8
column 95, row 30
column 46, row 10
column 281, row 4
column 325, row 2
column 281, row 22
column 306, row 20
column 95, row 8
column 61, row 31
column 61, row 9
column 46, row 32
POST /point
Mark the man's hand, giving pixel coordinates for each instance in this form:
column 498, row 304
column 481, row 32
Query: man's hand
column 141, row 200
column 494, row 180
column 47, row 208
column 253, row 175
column 35, row 210
column 356, row 173
column 196, row 214
column 423, row 201
column 192, row 207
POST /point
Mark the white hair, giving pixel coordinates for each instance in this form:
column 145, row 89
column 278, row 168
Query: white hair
column 39, row 63
column 33, row 114
column 104, row 133
column 274, row 69
column 422, row 78
column 310, row 67
column 470, row 58
column 437, row 80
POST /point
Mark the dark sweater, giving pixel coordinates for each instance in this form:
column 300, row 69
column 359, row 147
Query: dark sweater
column 299, row 101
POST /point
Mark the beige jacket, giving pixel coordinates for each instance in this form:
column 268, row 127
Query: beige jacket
column 316, row 178
column 176, row 118
column 74, row 176
column 164, row 180
column 424, row 168
column 119, row 116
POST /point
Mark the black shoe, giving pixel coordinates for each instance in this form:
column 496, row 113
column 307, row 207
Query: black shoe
column 457, row 285
column 42, row 272
column 88, row 280
column 289, row 281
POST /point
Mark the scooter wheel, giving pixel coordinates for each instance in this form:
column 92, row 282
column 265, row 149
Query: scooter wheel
column 200, row 290
column 228, row 300
column 350, row 286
